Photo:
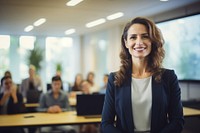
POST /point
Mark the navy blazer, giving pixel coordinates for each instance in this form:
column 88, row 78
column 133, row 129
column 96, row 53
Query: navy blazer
column 167, row 111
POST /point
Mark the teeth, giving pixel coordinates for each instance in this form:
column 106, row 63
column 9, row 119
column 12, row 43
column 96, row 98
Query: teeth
column 139, row 48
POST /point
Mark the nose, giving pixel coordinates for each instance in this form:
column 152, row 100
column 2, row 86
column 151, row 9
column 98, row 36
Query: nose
column 139, row 40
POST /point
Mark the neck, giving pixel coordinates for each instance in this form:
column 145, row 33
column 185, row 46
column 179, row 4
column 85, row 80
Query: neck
column 139, row 68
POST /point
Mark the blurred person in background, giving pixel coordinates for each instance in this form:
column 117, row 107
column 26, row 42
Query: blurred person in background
column 11, row 102
column 90, row 79
column 55, row 101
column 105, row 81
column 33, row 82
column 77, row 82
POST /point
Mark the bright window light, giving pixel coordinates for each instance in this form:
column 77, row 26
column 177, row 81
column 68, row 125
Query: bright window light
column 95, row 23
column 27, row 42
column 4, row 41
column 39, row 22
column 115, row 16
column 28, row 28
column 67, row 42
column 70, row 31
column 73, row 2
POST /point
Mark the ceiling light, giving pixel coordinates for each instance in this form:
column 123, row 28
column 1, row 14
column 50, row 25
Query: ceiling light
column 70, row 31
column 95, row 23
column 164, row 0
column 115, row 16
column 73, row 2
column 39, row 22
column 28, row 28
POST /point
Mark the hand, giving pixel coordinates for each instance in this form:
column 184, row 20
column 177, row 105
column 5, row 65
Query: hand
column 7, row 93
column 57, row 109
column 13, row 90
column 54, row 109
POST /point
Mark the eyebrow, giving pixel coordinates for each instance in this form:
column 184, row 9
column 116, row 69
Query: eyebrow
column 140, row 34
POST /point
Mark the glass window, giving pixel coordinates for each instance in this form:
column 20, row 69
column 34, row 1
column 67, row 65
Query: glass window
column 26, row 44
column 60, row 58
column 4, row 53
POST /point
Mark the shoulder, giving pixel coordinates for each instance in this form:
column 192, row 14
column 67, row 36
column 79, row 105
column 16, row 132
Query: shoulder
column 25, row 80
column 168, row 73
column 112, row 76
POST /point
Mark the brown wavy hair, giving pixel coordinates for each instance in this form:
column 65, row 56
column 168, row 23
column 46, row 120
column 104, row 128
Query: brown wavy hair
column 155, row 58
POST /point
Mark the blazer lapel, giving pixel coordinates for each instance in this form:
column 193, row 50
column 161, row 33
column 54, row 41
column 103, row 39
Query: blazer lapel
column 156, row 104
column 127, row 105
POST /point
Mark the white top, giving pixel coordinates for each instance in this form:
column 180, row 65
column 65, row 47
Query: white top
column 141, row 96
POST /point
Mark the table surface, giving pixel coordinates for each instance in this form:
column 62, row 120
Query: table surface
column 44, row 119
column 64, row 118
column 189, row 112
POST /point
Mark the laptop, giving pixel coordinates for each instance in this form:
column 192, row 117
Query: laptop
column 89, row 105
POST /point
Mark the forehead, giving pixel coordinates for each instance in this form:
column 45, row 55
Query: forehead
column 56, row 81
column 137, row 29
column 7, row 80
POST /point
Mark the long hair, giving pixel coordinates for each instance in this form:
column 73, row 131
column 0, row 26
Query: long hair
column 155, row 58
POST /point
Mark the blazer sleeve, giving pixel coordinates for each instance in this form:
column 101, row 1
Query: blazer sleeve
column 109, row 113
column 175, row 110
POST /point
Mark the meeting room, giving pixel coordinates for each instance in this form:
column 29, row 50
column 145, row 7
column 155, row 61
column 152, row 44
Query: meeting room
column 99, row 66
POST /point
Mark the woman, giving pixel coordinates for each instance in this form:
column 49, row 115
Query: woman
column 90, row 78
column 142, row 96
column 77, row 82
column 11, row 102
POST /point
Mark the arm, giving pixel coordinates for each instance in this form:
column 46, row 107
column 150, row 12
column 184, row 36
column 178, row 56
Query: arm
column 66, row 105
column 109, row 113
column 175, row 110
column 16, row 107
column 42, row 107
column 4, row 97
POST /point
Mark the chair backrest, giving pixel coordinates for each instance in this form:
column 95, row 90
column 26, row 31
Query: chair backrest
column 33, row 96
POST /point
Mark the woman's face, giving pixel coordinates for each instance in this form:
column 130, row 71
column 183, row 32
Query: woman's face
column 138, row 41
column 7, row 83
column 78, row 79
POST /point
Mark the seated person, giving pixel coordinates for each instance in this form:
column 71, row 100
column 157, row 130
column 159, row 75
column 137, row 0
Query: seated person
column 105, row 81
column 55, row 101
column 11, row 102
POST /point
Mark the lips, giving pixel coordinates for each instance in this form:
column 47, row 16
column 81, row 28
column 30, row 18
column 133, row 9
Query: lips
column 139, row 48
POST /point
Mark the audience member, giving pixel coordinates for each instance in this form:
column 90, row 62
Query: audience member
column 90, row 79
column 105, row 81
column 85, row 87
column 11, row 102
column 77, row 82
column 55, row 101
column 31, row 83
column 7, row 73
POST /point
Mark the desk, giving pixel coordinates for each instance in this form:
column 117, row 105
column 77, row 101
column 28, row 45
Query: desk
column 64, row 118
column 189, row 112
column 45, row 119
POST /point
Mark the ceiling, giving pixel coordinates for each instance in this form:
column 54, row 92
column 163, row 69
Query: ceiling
column 15, row 15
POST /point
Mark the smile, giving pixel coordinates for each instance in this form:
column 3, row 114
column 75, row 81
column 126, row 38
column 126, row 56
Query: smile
column 139, row 48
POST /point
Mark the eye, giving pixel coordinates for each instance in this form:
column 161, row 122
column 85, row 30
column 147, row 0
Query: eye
column 133, row 37
column 145, row 36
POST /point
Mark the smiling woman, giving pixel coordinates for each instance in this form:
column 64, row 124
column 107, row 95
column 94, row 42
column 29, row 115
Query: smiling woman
column 142, row 91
